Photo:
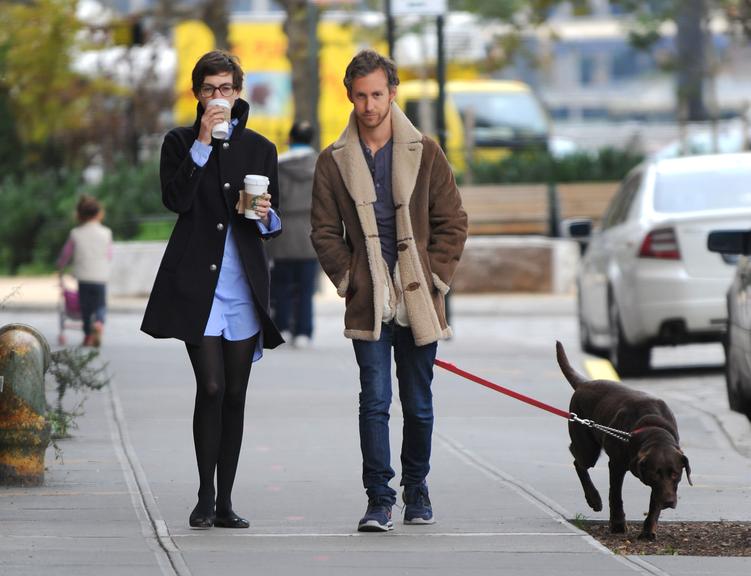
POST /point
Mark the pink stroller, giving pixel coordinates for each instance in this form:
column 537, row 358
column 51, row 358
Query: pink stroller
column 68, row 308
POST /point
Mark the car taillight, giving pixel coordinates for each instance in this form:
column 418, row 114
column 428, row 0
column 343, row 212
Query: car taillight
column 661, row 244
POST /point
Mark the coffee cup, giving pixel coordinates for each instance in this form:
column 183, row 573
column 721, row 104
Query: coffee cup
column 255, row 185
column 220, row 131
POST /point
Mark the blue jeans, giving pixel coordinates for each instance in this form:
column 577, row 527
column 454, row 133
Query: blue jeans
column 293, row 283
column 414, row 371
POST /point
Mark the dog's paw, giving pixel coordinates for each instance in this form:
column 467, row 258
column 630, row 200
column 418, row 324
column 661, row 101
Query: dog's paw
column 650, row 536
column 594, row 501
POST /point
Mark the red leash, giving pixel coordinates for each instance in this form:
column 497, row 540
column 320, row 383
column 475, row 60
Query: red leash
column 501, row 389
column 619, row 434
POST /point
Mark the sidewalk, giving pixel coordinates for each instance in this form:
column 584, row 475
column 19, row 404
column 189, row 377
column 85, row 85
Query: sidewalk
column 43, row 293
column 501, row 483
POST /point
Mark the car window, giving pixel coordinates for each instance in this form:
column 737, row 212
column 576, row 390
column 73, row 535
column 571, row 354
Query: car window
column 621, row 204
column 699, row 191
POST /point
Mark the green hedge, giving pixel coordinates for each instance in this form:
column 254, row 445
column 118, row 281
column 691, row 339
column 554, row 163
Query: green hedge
column 38, row 210
column 534, row 166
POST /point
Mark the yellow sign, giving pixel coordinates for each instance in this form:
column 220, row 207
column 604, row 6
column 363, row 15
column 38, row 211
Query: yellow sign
column 262, row 50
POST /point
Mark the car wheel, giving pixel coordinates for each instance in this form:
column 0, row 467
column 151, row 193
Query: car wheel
column 627, row 360
column 736, row 400
column 731, row 377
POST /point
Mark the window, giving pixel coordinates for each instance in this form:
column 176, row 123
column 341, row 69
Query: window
column 618, row 210
column 586, row 70
column 719, row 189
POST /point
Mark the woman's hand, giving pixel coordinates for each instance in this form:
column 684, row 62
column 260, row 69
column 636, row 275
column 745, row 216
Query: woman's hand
column 212, row 116
column 262, row 204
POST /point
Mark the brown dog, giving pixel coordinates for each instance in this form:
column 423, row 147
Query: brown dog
column 652, row 453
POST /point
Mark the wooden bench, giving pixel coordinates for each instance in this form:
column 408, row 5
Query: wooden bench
column 524, row 208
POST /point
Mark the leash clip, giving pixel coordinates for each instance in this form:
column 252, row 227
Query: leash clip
column 574, row 418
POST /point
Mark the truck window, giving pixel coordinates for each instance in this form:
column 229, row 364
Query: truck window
column 502, row 117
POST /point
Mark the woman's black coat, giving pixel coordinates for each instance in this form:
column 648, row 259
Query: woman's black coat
column 205, row 198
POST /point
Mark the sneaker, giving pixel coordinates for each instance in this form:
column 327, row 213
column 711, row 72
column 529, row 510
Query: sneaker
column 287, row 335
column 302, row 341
column 377, row 519
column 417, row 508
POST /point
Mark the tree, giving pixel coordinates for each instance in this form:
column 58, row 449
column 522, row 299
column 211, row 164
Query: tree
column 9, row 144
column 44, row 95
column 690, row 62
column 690, row 58
column 302, row 18
column 215, row 14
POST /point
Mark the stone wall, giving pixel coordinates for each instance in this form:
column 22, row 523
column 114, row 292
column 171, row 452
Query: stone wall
column 516, row 264
column 489, row 264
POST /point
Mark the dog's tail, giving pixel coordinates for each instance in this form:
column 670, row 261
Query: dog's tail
column 571, row 375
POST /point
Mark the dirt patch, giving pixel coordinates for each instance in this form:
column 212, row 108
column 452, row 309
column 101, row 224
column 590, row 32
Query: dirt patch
column 675, row 538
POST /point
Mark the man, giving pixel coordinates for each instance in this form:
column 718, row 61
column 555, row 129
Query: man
column 293, row 277
column 389, row 229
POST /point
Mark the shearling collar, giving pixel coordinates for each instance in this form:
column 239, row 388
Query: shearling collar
column 406, row 157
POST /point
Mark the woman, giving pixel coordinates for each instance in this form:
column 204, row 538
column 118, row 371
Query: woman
column 212, row 287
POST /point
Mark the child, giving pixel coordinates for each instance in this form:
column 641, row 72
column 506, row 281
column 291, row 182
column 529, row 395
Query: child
column 89, row 246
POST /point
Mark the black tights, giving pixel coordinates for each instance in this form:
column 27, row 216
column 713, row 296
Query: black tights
column 222, row 369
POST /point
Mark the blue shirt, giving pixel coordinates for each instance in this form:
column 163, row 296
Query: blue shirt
column 380, row 170
column 233, row 313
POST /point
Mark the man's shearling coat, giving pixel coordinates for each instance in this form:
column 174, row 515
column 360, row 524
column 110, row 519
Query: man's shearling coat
column 431, row 228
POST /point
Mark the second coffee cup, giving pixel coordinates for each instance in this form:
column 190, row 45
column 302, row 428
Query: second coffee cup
column 255, row 185
column 220, row 131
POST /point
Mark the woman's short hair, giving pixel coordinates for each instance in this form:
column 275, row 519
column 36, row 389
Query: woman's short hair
column 367, row 61
column 217, row 62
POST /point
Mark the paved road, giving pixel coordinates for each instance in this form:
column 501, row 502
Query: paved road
column 502, row 481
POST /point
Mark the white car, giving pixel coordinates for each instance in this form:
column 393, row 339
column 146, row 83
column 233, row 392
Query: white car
column 647, row 277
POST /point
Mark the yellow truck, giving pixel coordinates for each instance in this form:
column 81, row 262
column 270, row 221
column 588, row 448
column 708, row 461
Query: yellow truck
column 485, row 119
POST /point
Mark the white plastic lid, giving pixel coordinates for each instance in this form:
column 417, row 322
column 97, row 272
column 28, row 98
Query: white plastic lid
column 257, row 179
column 218, row 102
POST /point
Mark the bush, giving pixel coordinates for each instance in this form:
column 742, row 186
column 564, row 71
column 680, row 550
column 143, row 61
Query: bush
column 537, row 166
column 128, row 193
column 37, row 210
column 34, row 217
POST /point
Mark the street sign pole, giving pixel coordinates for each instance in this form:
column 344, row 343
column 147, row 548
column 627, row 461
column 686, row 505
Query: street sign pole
column 441, row 79
column 389, row 27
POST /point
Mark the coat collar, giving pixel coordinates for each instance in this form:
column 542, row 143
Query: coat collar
column 406, row 157
column 240, row 110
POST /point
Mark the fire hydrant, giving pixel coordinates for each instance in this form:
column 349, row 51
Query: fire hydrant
column 24, row 431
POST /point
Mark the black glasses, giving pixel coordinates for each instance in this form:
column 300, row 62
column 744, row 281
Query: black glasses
column 207, row 90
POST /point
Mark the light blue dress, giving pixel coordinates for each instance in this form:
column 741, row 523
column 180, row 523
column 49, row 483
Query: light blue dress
column 233, row 313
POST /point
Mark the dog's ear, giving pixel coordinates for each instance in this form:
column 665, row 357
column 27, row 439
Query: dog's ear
column 637, row 464
column 687, row 467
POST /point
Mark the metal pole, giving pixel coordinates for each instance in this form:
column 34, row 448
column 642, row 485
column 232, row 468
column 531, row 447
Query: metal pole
column 441, row 78
column 441, row 111
column 315, row 79
column 389, row 27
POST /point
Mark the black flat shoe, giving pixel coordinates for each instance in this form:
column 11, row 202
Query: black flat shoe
column 200, row 519
column 231, row 521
